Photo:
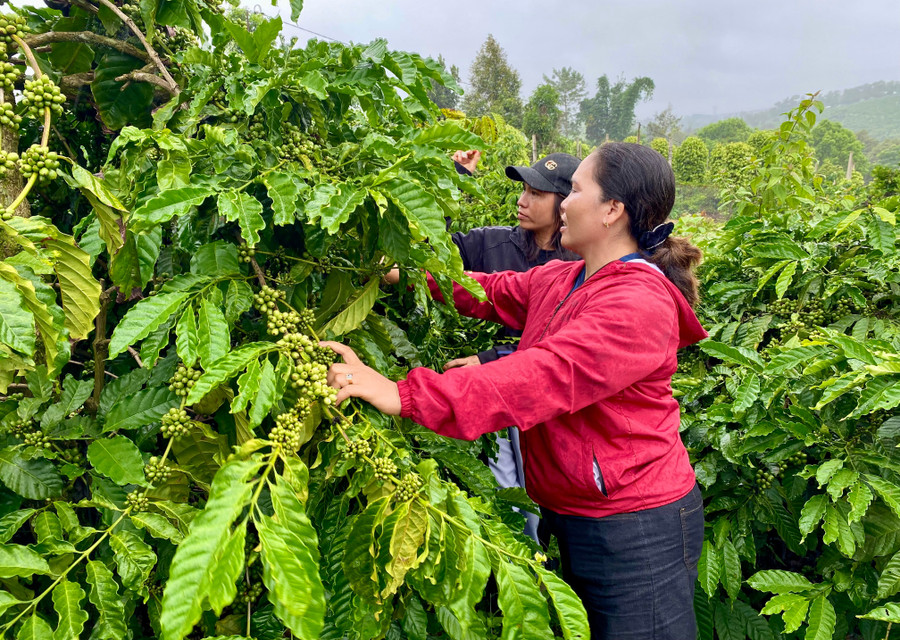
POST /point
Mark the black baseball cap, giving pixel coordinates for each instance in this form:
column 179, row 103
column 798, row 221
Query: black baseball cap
column 552, row 173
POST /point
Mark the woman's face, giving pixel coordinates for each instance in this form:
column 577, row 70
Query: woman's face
column 536, row 210
column 582, row 210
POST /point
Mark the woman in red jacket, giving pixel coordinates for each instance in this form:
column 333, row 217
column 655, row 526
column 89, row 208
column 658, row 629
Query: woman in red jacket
column 590, row 388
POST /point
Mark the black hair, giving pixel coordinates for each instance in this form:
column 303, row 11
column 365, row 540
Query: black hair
column 533, row 251
column 642, row 180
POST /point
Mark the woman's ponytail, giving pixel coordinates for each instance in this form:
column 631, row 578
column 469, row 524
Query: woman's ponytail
column 677, row 258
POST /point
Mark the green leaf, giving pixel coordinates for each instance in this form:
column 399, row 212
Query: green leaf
column 265, row 396
column 16, row 322
column 730, row 354
column 225, row 368
column 889, row 612
column 757, row 628
column 140, row 409
column 7, row 601
column 157, row 526
column 226, row 569
column 822, row 620
column 35, row 628
column 359, row 561
column 19, row 561
column 731, row 570
column 709, row 568
column 828, row 469
column 118, row 104
column 134, row 558
column 746, row 394
column 187, row 339
column 448, row 135
column 339, row 208
column 776, row 581
column 193, row 567
column 74, row 394
column 859, row 497
column 291, row 564
column 119, row 459
column 246, row 211
column 216, row 260
column 43, row 317
column 837, row 529
column 525, row 613
column 144, row 318
column 812, row 513
column 79, row 291
column 296, row 8
column 889, row 580
column 12, row 522
column 353, row 315
column 284, row 190
column 109, row 604
column 212, row 330
column 569, row 609
column 67, row 598
column 132, row 266
column 248, row 386
column 166, row 205
column 35, row 479
column 888, row 492
column 238, row 299
column 785, row 279
column 794, row 607
column 729, row 626
column 403, row 533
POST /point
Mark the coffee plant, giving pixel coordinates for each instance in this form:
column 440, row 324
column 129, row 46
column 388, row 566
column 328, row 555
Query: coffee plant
column 212, row 205
column 171, row 458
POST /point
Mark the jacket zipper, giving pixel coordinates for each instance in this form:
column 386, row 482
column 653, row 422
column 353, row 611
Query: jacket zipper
column 561, row 303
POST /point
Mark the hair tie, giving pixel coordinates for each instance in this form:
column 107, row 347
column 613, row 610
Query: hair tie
column 649, row 240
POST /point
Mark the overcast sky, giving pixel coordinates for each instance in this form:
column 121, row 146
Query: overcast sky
column 705, row 56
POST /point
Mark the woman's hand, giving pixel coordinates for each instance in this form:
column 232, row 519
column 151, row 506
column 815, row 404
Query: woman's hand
column 353, row 379
column 468, row 159
column 392, row 276
column 471, row 361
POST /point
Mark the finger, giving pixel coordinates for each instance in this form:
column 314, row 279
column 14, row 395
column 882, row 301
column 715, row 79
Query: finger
column 457, row 362
column 342, row 350
column 350, row 391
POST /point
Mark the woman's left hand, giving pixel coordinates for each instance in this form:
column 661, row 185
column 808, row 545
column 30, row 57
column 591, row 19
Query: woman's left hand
column 353, row 379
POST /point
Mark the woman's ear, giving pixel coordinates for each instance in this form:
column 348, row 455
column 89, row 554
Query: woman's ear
column 615, row 212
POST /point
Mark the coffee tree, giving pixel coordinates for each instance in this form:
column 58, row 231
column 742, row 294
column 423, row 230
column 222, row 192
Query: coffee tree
column 184, row 471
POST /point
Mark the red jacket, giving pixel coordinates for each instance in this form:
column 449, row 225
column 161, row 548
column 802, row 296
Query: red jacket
column 591, row 381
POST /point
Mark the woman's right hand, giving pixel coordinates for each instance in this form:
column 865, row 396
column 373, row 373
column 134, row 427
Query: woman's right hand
column 470, row 361
column 391, row 277
column 468, row 159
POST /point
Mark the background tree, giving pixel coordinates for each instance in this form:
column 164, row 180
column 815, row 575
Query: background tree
column 495, row 85
column 834, row 143
column 731, row 164
column 445, row 97
column 666, row 124
column 689, row 161
column 569, row 84
column 660, row 145
column 611, row 110
column 725, row 131
column 542, row 116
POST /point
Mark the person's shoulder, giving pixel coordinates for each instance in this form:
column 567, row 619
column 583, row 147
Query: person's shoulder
column 488, row 236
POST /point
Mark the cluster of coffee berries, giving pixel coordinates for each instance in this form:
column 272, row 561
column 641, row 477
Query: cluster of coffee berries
column 798, row 459
column 408, row 487
column 843, row 307
column 72, row 456
column 764, row 478
column 8, row 116
column 9, row 74
column 133, row 11
column 813, row 313
column 12, row 25
column 183, row 380
column 817, row 335
column 282, row 322
column 357, row 449
column 245, row 253
column 39, row 160
column 179, row 39
column 783, row 307
column 307, row 318
column 226, row 113
column 36, row 438
column 687, row 361
column 250, row 594
column 384, row 468
column 792, row 328
column 137, row 500
column 295, row 144
column 256, row 128
column 156, row 470
column 8, row 162
column 176, row 423
column 42, row 93
column 287, row 430
column 278, row 262
column 21, row 427
column 267, row 299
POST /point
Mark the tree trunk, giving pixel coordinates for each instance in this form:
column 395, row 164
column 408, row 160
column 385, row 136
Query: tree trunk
column 11, row 185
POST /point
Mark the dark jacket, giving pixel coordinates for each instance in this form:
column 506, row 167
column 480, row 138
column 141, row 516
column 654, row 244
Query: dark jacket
column 493, row 249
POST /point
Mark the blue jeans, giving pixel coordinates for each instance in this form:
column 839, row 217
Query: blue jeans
column 634, row 572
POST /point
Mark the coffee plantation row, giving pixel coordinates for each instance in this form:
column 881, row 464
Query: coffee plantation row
column 190, row 206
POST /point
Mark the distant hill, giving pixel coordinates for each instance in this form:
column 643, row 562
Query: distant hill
column 874, row 108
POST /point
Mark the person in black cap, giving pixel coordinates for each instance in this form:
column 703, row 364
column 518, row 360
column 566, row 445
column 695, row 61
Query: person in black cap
column 534, row 241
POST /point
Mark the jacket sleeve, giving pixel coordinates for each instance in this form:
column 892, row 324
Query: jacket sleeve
column 507, row 297
column 616, row 340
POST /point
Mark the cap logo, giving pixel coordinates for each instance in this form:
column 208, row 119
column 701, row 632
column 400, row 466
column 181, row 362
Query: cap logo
column 550, row 165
